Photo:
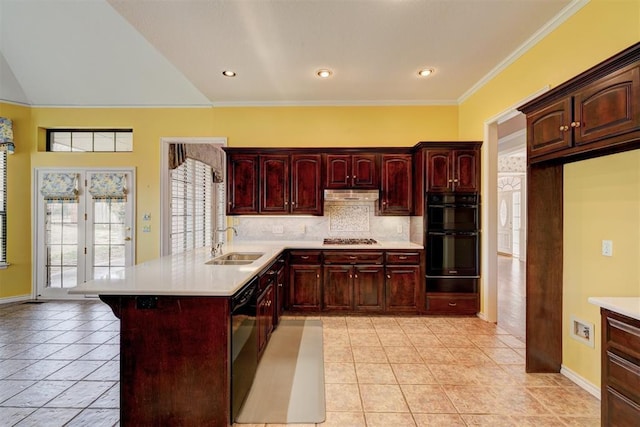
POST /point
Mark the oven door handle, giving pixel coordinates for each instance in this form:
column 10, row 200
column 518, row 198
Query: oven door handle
column 452, row 233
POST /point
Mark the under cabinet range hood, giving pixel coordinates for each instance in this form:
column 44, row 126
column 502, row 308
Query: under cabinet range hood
column 351, row 195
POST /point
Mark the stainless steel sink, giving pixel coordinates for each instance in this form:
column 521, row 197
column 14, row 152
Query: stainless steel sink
column 236, row 258
column 228, row 262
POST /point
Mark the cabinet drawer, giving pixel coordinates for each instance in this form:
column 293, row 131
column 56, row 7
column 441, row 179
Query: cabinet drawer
column 344, row 257
column 620, row 411
column 402, row 258
column 452, row 303
column 623, row 334
column 624, row 375
column 305, row 257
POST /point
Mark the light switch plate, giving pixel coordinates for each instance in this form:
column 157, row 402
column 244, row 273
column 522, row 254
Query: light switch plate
column 607, row 248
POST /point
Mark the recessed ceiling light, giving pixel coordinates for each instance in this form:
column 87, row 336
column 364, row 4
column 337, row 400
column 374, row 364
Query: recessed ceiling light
column 425, row 72
column 324, row 73
column 229, row 73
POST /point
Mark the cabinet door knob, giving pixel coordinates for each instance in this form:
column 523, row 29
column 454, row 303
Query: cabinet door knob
column 356, row 276
column 455, row 180
column 388, row 276
column 280, row 285
column 450, row 180
column 564, row 128
column 351, row 276
column 575, row 124
column 317, row 276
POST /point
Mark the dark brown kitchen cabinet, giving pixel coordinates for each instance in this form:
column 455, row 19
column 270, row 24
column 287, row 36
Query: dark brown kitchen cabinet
column 306, row 184
column 404, row 287
column 305, row 278
column 584, row 115
column 450, row 170
column 620, row 381
column 351, row 171
column 395, row 187
column 274, row 184
column 353, row 280
column 281, row 287
column 242, row 184
column 338, row 287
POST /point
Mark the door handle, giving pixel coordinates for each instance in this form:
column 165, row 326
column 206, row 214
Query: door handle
column 127, row 238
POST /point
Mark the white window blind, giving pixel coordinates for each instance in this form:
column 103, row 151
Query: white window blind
column 191, row 206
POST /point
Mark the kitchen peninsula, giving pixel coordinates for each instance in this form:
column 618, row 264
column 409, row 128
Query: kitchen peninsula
column 176, row 328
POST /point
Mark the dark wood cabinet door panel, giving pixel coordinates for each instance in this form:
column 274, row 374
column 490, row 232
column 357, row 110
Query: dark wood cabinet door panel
column 306, row 184
column 274, row 184
column 368, row 288
column 304, row 287
column 338, row 287
column 549, row 130
column 242, row 184
column 465, row 174
column 338, row 170
column 608, row 108
column 396, row 185
column 364, row 171
column 452, row 303
column 353, row 257
column 438, row 171
column 403, row 288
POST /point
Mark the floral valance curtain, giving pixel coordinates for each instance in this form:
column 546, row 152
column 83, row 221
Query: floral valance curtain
column 208, row 154
column 108, row 186
column 8, row 147
column 60, row 187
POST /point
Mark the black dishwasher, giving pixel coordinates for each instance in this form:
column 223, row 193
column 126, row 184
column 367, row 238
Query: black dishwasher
column 244, row 344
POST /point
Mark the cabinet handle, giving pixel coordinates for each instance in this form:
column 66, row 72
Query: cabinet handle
column 353, row 257
column 564, row 128
column 455, row 180
column 354, row 177
column 280, row 285
column 317, row 276
column 402, row 257
column 293, row 203
column 286, row 203
column 348, row 177
column 452, row 304
column 450, row 180
column 351, row 276
column 304, row 256
column 388, row 276
column 575, row 124
column 356, row 276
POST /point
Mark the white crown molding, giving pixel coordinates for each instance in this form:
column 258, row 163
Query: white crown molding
column 550, row 26
column 383, row 103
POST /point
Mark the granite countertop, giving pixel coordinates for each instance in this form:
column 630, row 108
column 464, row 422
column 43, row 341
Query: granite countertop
column 627, row 306
column 187, row 274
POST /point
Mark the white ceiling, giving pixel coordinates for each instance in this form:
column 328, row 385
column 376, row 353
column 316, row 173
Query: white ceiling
column 173, row 52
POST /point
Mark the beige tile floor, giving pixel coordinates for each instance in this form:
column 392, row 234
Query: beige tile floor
column 59, row 367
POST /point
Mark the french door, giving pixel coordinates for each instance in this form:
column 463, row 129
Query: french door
column 84, row 227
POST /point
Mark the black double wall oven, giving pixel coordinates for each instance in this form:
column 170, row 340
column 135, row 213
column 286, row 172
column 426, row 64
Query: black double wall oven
column 452, row 224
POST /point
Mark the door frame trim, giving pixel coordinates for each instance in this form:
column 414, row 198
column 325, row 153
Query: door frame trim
column 35, row 199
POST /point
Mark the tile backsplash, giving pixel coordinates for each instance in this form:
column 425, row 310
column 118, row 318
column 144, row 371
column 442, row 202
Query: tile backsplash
column 341, row 219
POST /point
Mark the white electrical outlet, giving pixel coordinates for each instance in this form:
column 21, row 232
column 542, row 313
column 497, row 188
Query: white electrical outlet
column 277, row 229
column 607, row 248
column 399, row 228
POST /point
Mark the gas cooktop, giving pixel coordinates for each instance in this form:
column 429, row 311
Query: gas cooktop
column 341, row 241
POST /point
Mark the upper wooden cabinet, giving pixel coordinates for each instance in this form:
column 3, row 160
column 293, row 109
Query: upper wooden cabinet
column 274, row 184
column 242, row 184
column 306, row 184
column 351, row 170
column 597, row 111
column 395, row 186
column 450, row 170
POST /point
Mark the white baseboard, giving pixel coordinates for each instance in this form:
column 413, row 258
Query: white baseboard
column 482, row 316
column 581, row 382
column 19, row 298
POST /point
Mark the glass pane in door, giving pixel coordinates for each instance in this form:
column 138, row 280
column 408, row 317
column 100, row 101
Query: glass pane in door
column 109, row 237
column 61, row 244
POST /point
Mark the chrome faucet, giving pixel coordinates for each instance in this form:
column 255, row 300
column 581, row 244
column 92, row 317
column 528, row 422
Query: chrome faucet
column 235, row 232
column 217, row 246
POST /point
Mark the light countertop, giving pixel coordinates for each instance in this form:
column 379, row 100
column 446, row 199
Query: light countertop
column 187, row 274
column 627, row 306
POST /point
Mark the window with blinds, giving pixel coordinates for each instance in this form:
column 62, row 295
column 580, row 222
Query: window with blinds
column 3, row 207
column 192, row 206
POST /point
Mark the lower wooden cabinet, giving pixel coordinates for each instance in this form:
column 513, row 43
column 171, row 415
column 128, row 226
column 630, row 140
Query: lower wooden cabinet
column 620, row 382
column 403, row 288
column 356, row 281
column 452, row 303
column 305, row 278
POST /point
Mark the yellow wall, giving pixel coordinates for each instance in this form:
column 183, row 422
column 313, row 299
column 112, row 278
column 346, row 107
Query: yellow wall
column 278, row 126
column 599, row 30
column 601, row 202
column 336, row 126
column 16, row 280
